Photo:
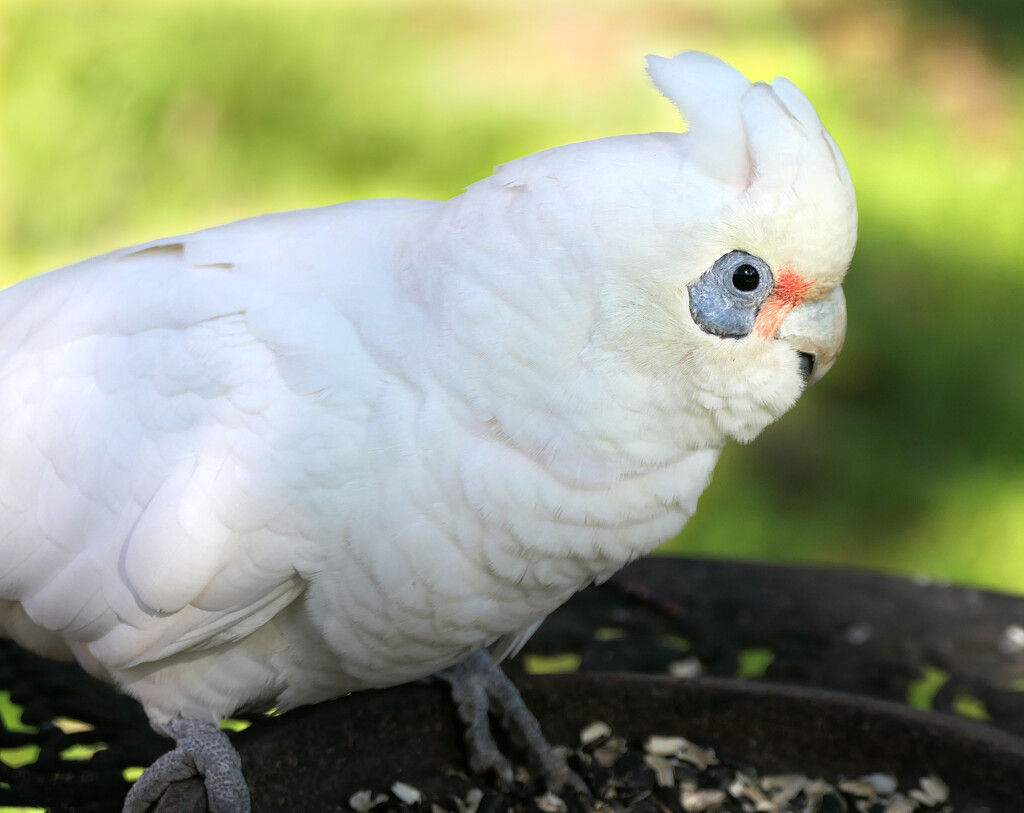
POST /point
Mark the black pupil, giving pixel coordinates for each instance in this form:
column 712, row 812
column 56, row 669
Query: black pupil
column 745, row 278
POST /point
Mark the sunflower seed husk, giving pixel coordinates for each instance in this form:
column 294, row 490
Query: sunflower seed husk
column 935, row 788
column 664, row 771
column 406, row 793
column 364, row 800
column 661, row 746
column 885, row 784
column 700, row 800
column 470, row 803
column 699, row 757
column 1012, row 640
column 784, row 788
column 814, row 791
column 594, row 732
column 900, row 804
column 609, row 752
column 686, row 668
column 550, row 803
column 606, row 757
column 858, row 787
column 680, row 748
column 743, row 787
column 473, row 797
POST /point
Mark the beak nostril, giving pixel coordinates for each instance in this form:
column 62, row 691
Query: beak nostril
column 806, row 364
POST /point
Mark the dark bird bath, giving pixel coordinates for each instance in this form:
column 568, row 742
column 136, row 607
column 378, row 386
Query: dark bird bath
column 839, row 651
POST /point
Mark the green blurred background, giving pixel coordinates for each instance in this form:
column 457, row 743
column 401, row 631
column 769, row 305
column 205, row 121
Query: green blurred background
column 123, row 121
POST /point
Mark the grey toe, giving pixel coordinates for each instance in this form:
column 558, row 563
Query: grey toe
column 202, row 748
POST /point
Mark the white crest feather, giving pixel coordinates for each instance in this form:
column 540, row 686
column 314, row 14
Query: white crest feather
column 708, row 92
column 798, row 105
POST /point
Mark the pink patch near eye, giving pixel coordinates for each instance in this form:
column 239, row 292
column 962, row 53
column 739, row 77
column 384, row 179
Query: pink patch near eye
column 789, row 291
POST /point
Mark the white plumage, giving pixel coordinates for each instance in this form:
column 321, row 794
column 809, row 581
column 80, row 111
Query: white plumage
column 308, row 453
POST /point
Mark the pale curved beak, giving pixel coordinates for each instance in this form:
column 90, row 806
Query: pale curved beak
column 816, row 330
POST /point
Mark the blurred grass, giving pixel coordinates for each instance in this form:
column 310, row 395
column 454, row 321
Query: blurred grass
column 122, row 121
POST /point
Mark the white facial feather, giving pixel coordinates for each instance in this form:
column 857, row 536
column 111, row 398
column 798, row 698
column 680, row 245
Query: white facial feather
column 760, row 174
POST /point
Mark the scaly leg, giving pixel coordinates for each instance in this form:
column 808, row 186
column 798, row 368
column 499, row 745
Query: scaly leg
column 478, row 684
column 202, row 748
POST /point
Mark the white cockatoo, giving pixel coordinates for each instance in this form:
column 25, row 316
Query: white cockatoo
column 309, row 453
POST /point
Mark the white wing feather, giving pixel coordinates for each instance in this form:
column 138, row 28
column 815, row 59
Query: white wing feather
column 151, row 407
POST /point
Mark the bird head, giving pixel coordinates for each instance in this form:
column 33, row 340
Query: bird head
column 750, row 309
column 682, row 289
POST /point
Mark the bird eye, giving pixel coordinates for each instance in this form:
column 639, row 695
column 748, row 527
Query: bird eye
column 745, row 278
column 725, row 299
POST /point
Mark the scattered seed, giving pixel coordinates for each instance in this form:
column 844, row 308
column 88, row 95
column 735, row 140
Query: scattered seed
column 699, row 757
column 1012, row 640
column 858, row 634
column 406, row 793
column 660, row 746
column 606, row 757
column 686, row 668
column 360, row 800
column 364, row 800
column 610, row 751
column 550, row 803
column 701, row 800
column 743, row 787
column 594, row 732
column 470, row 803
column 664, row 771
column 473, row 797
column 859, row 787
column 935, row 787
column 815, row 791
column 885, row 784
column 670, row 774
column 783, row 789
column 773, row 782
column 680, row 748
column 900, row 804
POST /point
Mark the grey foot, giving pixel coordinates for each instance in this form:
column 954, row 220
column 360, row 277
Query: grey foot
column 203, row 749
column 478, row 685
